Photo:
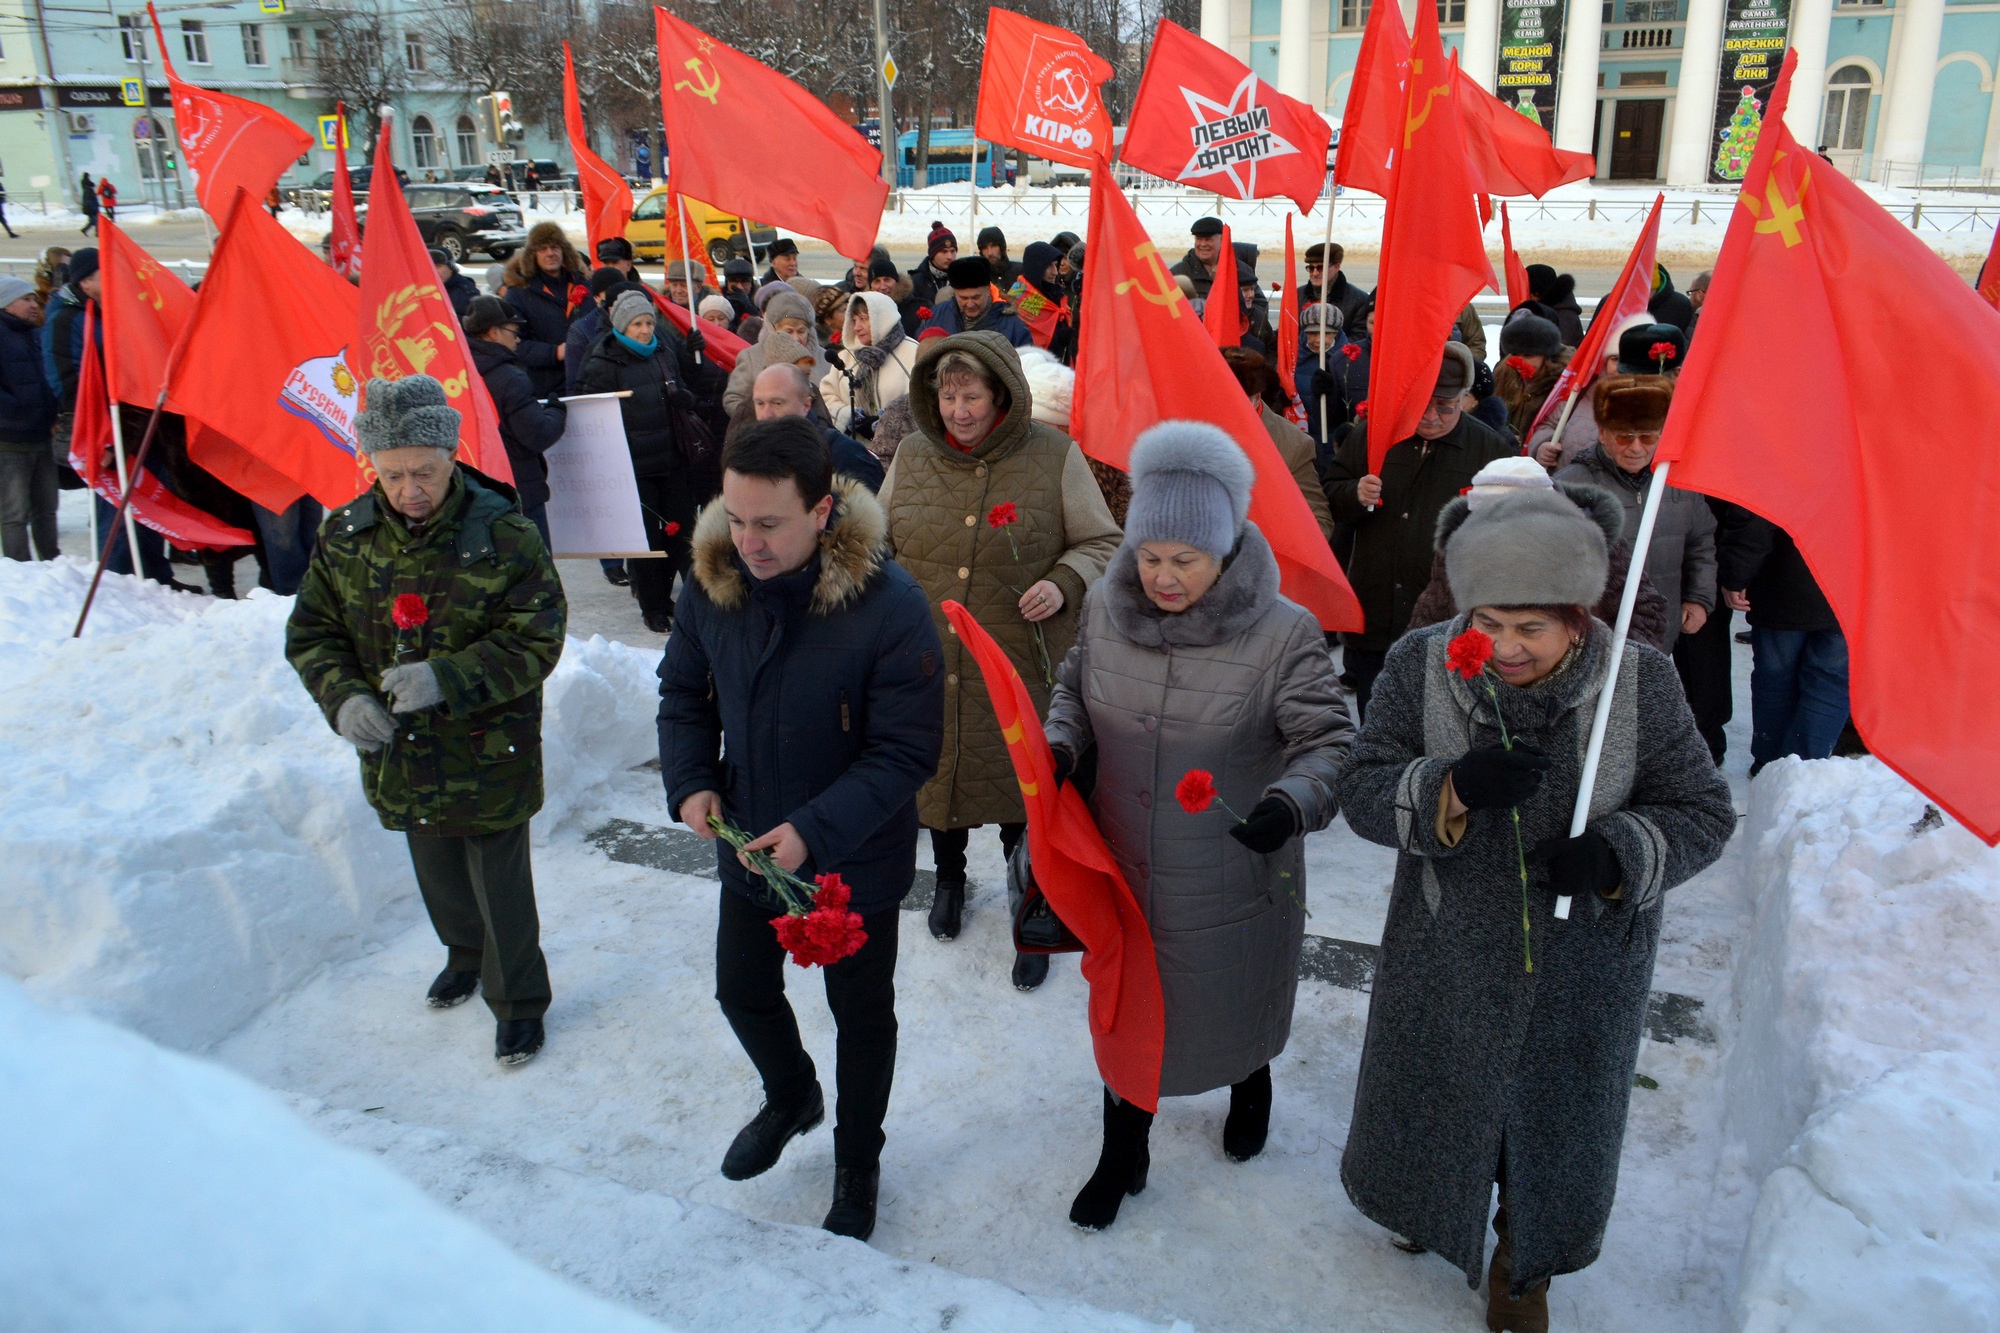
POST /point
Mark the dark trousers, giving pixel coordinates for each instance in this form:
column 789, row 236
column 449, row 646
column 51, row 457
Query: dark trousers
column 1798, row 693
column 539, row 516
column 666, row 502
column 861, row 992
column 1361, row 667
column 1703, row 661
column 28, row 501
column 948, row 848
column 481, row 895
column 289, row 537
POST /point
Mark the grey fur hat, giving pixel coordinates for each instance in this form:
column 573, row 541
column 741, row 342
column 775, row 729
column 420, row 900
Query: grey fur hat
column 1530, row 547
column 409, row 413
column 1526, row 334
column 1190, row 483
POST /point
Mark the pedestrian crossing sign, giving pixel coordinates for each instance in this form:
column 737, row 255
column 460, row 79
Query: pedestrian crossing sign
column 134, row 92
column 271, row 6
column 332, row 134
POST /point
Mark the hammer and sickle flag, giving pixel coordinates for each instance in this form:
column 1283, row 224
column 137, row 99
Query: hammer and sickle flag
column 1079, row 876
column 1138, row 363
column 1785, row 410
column 718, row 104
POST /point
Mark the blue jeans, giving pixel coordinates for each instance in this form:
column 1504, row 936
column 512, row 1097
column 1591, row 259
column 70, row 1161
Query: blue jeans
column 288, row 541
column 1798, row 693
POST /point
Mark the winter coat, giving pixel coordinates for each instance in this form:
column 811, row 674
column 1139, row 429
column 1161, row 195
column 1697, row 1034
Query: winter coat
column 1239, row 684
column 585, row 329
column 938, row 499
column 1471, row 332
column 1353, row 370
column 1471, row 1062
column 851, row 384
column 1353, row 303
column 1579, row 434
column 854, row 459
column 1651, row 615
column 528, row 425
column 653, row 380
column 1560, row 298
column 999, row 318
column 62, row 343
column 1297, row 449
column 545, row 306
column 1196, row 272
column 27, row 402
column 1681, row 560
column 1524, row 398
column 926, row 286
column 774, row 347
column 822, row 687
column 473, row 764
column 1756, row 556
column 460, row 290
column 1322, row 396
column 1394, row 542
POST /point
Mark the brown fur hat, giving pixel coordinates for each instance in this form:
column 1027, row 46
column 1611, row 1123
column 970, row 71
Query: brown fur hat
column 1632, row 402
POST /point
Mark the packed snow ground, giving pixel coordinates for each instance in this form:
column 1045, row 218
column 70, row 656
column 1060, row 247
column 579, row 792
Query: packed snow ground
column 190, row 857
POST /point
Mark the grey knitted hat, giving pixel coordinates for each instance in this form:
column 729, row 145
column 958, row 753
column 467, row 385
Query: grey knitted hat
column 1530, row 547
column 1191, row 484
column 409, row 413
column 13, row 289
column 784, row 304
column 1320, row 315
column 629, row 307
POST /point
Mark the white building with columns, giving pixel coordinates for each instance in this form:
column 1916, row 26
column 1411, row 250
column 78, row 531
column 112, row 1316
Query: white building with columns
column 1895, row 90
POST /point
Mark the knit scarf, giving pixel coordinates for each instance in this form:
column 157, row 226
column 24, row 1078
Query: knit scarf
column 646, row 348
column 871, row 357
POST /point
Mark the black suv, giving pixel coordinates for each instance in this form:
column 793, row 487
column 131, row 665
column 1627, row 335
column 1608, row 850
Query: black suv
column 459, row 217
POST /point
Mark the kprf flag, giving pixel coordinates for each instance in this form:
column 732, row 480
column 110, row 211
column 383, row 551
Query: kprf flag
column 1830, row 334
column 1222, row 316
column 1201, row 117
column 1517, row 272
column 1433, row 257
column 267, row 364
column 1371, row 125
column 1038, row 91
column 229, row 142
column 1143, row 357
column 1628, row 297
column 750, row 141
column 607, row 199
column 407, row 325
column 344, row 240
column 1077, row 873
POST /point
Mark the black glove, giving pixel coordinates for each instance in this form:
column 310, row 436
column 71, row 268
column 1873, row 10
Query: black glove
column 1065, row 763
column 1494, row 778
column 1579, row 865
column 695, row 342
column 1268, row 826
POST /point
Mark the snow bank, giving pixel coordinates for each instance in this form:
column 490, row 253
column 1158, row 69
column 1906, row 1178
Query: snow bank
column 148, row 1190
column 1861, row 1083
column 186, row 838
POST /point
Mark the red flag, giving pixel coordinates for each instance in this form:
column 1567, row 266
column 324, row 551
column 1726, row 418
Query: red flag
column 723, row 347
column 714, row 101
column 145, row 309
column 407, row 324
column 607, row 199
column 1628, row 296
column 273, row 374
column 1079, row 876
column 1288, row 319
column 1202, row 118
column 682, row 238
column 1222, row 316
column 1784, row 408
column 152, row 503
column 1142, row 357
column 1989, row 272
column 1038, row 91
column 1510, row 153
column 1433, row 259
column 344, row 241
column 229, row 141
column 1371, row 126
column 1517, row 272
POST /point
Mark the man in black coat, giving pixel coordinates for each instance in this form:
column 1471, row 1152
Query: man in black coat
column 546, row 284
column 808, row 654
column 27, row 415
column 1798, row 676
column 1395, row 514
column 458, row 289
column 1323, row 273
column 784, row 257
column 529, row 426
column 928, row 280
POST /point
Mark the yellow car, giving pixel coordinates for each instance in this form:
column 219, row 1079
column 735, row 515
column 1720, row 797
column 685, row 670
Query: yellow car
column 721, row 233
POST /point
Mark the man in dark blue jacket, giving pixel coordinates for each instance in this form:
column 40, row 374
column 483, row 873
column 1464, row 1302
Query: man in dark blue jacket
column 529, row 427
column 808, row 654
column 974, row 308
column 27, row 414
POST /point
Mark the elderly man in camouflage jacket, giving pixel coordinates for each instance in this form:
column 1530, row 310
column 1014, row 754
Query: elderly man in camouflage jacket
column 433, row 592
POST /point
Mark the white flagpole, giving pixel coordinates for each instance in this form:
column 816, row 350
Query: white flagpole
column 1562, row 419
column 1602, row 719
column 687, row 265
column 124, row 486
column 1325, row 338
column 972, row 188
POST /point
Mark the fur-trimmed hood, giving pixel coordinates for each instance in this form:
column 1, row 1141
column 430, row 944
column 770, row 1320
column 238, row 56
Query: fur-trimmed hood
column 852, row 551
column 1242, row 593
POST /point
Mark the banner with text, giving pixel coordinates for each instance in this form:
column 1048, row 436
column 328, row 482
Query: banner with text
column 1531, row 37
column 1753, row 47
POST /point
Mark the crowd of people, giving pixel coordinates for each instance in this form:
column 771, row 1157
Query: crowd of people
column 896, row 440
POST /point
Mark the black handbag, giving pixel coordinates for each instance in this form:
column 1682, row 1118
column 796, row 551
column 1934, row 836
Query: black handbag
column 700, row 447
column 1037, row 928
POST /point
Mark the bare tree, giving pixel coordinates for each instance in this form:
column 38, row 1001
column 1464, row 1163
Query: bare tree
column 357, row 51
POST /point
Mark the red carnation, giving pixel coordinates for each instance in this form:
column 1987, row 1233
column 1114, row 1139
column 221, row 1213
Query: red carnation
column 923, row 312
column 1468, row 653
column 1352, row 351
column 1196, row 790
column 409, row 611
column 1361, row 410
column 1520, row 366
column 826, row 934
column 1002, row 515
column 1663, row 352
column 673, row 528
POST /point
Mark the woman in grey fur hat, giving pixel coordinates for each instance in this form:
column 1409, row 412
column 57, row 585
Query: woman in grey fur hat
column 1502, row 1042
column 1190, row 659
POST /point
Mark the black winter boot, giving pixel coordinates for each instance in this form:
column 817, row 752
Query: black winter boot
column 1249, row 1122
column 516, row 1040
column 853, row 1211
column 1121, row 1167
column 948, row 908
column 1030, row 970
column 759, row 1144
column 452, row 988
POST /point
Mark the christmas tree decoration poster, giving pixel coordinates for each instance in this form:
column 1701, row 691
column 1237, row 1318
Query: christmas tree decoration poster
column 1531, row 58
column 1753, row 50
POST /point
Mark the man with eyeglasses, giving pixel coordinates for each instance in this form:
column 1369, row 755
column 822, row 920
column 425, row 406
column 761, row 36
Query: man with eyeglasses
column 1395, row 514
column 1323, row 274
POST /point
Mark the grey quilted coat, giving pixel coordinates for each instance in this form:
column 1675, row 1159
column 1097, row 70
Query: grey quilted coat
column 1239, row 684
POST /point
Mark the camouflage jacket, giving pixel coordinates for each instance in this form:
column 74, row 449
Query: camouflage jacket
column 473, row 764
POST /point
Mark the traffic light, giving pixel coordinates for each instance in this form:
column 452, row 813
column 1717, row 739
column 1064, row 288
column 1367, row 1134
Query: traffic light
column 501, row 126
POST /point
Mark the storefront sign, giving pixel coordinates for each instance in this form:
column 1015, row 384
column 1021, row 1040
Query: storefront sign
column 1753, row 48
column 20, row 99
column 1531, row 34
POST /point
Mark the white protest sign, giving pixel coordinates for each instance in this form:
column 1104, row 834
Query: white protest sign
column 593, row 500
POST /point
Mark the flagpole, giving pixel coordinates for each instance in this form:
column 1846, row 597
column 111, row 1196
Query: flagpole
column 1602, row 719
column 1325, row 249
column 1562, row 419
column 124, row 483
column 124, row 503
column 687, row 265
column 972, row 188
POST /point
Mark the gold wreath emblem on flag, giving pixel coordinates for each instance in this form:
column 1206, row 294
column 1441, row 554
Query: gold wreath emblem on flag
column 1167, row 294
column 705, row 84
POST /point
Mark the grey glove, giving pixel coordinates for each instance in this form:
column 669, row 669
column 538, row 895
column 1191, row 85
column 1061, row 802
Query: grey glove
column 363, row 723
column 411, row 686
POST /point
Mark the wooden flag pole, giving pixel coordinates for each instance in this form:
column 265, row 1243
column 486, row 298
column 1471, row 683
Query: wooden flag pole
column 124, row 505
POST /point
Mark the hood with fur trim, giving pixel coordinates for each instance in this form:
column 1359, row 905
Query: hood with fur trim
column 852, row 551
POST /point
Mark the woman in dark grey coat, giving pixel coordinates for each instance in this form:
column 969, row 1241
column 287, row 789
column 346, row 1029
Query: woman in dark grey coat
column 1188, row 658
column 1477, row 1069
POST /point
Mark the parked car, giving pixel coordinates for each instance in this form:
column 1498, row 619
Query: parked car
column 464, row 216
column 357, row 179
column 721, row 233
